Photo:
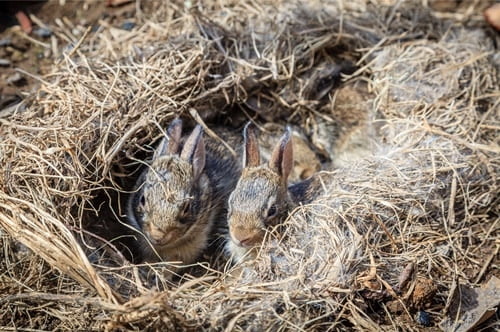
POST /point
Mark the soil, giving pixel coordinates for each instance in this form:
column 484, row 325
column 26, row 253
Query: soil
column 25, row 58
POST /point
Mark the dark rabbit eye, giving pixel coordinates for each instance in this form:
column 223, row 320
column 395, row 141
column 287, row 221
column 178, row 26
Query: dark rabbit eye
column 142, row 200
column 272, row 211
column 184, row 215
column 184, row 212
column 185, row 208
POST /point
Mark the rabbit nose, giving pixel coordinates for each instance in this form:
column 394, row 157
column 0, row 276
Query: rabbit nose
column 246, row 238
column 155, row 233
column 159, row 236
column 249, row 241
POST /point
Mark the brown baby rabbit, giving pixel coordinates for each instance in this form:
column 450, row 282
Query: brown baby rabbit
column 181, row 195
column 305, row 160
column 262, row 198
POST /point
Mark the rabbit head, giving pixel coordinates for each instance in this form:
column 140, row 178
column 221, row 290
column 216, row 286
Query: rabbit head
column 260, row 199
column 173, row 191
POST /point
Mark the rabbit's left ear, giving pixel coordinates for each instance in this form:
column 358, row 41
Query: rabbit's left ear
column 251, row 154
column 194, row 151
column 282, row 158
column 171, row 143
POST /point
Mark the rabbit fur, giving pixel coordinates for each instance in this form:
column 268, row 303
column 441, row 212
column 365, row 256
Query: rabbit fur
column 262, row 198
column 181, row 195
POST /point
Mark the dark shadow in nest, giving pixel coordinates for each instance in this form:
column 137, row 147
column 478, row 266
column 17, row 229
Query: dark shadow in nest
column 9, row 9
column 106, row 226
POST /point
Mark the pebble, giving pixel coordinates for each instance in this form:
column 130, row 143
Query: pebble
column 423, row 318
column 42, row 32
column 128, row 26
column 5, row 42
column 15, row 78
column 68, row 48
column 17, row 55
column 4, row 63
column 138, row 52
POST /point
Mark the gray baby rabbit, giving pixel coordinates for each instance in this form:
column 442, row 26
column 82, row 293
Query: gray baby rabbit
column 181, row 195
column 262, row 197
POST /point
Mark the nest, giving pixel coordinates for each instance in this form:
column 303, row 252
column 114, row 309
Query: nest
column 410, row 99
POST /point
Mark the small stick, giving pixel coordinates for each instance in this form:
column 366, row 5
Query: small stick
column 113, row 151
column 388, row 287
column 73, row 50
column 199, row 120
column 451, row 294
column 386, row 231
column 486, row 264
column 451, row 207
column 24, row 35
column 405, row 276
column 38, row 22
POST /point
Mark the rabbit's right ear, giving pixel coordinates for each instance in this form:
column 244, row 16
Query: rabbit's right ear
column 174, row 133
column 251, row 156
column 282, row 158
column 194, row 151
column 170, row 144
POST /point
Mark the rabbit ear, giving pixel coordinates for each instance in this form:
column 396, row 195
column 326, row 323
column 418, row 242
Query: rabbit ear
column 174, row 133
column 194, row 151
column 170, row 144
column 251, row 157
column 161, row 149
column 282, row 158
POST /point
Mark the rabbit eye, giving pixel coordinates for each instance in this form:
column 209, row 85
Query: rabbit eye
column 184, row 215
column 185, row 208
column 272, row 211
column 142, row 200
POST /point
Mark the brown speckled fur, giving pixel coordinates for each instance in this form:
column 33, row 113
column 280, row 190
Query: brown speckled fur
column 260, row 190
column 172, row 231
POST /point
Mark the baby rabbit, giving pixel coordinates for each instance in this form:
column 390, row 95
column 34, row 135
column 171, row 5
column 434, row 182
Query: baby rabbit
column 180, row 196
column 305, row 160
column 262, row 198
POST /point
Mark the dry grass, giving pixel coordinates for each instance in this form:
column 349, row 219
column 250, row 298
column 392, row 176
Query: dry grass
column 426, row 195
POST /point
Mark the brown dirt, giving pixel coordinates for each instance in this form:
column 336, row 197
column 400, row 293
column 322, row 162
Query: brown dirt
column 32, row 56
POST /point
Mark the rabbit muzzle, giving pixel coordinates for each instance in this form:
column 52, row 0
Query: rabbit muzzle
column 246, row 238
column 160, row 237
